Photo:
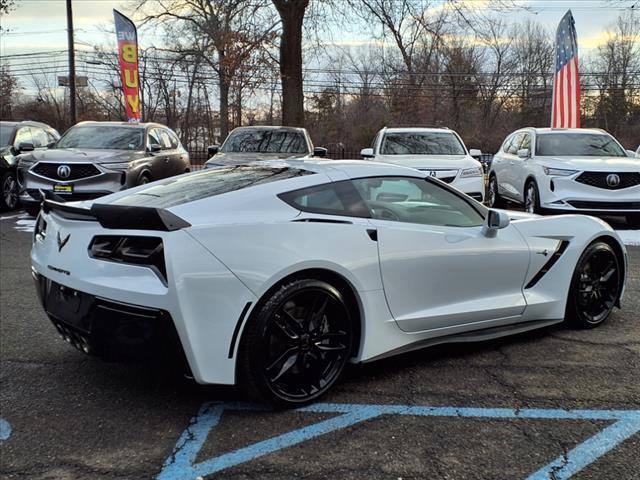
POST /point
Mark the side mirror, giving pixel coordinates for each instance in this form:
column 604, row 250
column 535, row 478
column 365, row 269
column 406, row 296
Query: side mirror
column 367, row 153
column 213, row 149
column 523, row 153
column 495, row 221
column 154, row 147
column 319, row 152
column 631, row 153
column 474, row 152
column 25, row 147
column 51, row 144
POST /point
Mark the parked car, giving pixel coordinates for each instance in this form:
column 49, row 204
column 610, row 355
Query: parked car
column 438, row 151
column 247, row 144
column 17, row 138
column 575, row 170
column 276, row 274
column 97, row 158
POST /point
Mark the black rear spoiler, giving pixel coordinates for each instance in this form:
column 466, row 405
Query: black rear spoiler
column 124, row 217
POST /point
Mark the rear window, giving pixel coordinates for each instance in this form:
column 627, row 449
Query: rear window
column 265, row 141
column 207, row 183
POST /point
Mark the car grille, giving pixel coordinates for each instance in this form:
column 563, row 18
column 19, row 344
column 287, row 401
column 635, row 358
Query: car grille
column 447, row 179
column 77, row 170
column 604, row 205
column 599, row 179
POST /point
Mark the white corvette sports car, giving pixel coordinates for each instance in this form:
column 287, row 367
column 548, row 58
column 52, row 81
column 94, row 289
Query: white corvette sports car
column 274, row 275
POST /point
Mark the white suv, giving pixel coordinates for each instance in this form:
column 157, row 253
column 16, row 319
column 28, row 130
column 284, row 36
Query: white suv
column 576, row 170
column 439, row 151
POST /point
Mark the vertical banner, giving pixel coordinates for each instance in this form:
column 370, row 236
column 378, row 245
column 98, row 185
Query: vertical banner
column 128, row 58
column 565, row 108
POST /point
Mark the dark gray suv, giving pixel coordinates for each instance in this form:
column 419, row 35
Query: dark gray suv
column 17, row 138
column 97, row 158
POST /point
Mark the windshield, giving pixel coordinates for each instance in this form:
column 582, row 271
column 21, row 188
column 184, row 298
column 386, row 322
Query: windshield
column 103, row 137
column 265, row 141
column 6, row 131
column 427, row 143
column 578, row 145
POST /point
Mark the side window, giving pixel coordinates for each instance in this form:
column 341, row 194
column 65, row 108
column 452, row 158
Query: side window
column 40, row 139
column 416, row 200
column 507, row 142
column 514, row 146
column 375, row 140
column 23, row 136
column 166, row 140
column 52, row 136
column 526, row 142
column 154, row 137
column 175, row 142
column 338, row 198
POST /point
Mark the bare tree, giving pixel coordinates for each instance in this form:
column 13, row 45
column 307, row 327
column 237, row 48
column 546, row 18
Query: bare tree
column 230, row 31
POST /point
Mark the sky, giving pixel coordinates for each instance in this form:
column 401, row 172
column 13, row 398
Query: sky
column 40, row 25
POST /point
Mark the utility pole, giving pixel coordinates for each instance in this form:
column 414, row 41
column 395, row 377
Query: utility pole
column 72, row 65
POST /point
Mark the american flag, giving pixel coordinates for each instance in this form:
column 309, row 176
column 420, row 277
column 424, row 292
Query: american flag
column 565, row 111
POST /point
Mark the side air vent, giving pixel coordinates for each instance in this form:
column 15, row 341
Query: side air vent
column 550, row 263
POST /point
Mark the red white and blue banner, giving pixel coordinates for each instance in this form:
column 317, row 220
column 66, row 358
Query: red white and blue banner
column 128, row 59
column 565, row 110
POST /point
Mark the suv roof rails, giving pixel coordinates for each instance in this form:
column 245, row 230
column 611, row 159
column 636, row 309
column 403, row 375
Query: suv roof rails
column 416, row 125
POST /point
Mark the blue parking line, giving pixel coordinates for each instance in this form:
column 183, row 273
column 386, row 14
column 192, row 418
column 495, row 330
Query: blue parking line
column 182, row 464
column 5, row 430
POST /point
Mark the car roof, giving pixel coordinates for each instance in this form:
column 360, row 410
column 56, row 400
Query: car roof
column 26, row 123
column 269, row 127
column 568, row 131
column 417, row 129
column 119, row 124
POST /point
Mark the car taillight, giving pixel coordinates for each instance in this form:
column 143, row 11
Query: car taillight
column 40, row 229
column 144, row 251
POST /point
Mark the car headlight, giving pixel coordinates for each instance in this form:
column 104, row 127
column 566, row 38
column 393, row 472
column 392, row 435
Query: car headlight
column 116, row 166
column 558, row 172
column 471, row 172
column 22, row 163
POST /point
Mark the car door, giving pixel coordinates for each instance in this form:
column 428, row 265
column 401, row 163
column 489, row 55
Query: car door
column 438, row 269
column 177, row 161
column 510, row 161
column 519, row 167
column 159, row 164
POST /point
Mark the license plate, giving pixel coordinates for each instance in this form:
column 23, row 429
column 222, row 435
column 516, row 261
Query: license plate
column 63, row 189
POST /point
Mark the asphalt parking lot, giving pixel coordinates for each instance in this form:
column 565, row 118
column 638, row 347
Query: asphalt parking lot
column 554, row 404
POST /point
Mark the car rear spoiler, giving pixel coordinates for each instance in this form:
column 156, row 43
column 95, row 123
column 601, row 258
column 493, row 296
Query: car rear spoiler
column 124, row 217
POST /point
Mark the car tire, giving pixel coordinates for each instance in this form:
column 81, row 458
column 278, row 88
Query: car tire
column 32, row 209
column 144, row 179
column 295, row 344
column 595, row 286
column 8, row 191
column 633, row 220
column 532, row 197
column 494, row 200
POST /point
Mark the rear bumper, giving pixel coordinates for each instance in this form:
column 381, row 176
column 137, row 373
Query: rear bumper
column 107, row 328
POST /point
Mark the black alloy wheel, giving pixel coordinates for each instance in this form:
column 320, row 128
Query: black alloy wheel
column 297, row 345
column 595, row 287
column 9, row 191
